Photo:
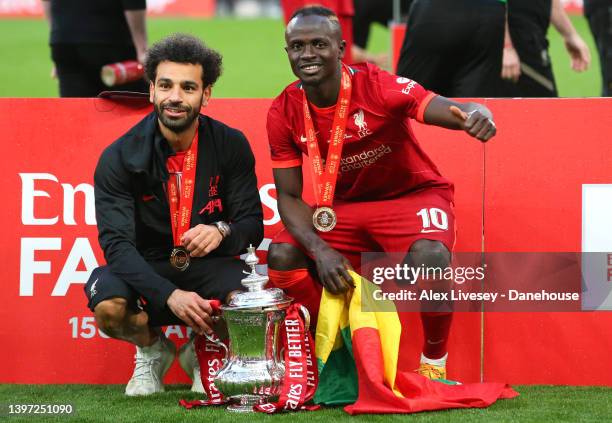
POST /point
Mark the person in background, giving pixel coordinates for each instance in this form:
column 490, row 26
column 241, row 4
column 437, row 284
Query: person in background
column 368, row 12
column 86, row 35
column 454, row 47
column 224, row 7
column 599, row 14
column 527, row 69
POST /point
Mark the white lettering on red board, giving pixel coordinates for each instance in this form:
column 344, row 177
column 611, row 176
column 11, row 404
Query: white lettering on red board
column 40, row 208
column 29, row 193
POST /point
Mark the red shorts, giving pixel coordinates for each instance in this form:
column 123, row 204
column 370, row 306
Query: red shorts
column 390, row 226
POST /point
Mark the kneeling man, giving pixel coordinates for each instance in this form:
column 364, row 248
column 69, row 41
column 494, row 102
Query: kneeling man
column 375, row 187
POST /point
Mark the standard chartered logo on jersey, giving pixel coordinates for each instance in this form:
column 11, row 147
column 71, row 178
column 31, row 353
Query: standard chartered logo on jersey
column 597, row 244
column 364, row 159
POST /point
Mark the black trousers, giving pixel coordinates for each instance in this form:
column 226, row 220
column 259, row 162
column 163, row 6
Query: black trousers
column 368, row 12
column 78, row 68
column 454, row 47
column 600, row 21
column 537, row 78
column 210, row 277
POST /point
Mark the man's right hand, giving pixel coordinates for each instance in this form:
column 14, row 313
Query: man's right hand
column 333, row 270
column 192, row 309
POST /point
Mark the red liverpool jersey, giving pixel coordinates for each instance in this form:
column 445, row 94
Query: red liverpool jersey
column 381, row 157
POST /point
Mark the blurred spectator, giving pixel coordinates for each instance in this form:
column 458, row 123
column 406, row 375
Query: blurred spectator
column 88, row 34
column 599, row 14
column 249, row 8
column 225, row 7
column 454, row 47
column 342, row 8
column 527, row 69
column 368, row 12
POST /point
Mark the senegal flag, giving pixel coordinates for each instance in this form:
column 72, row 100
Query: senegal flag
column 358, row 352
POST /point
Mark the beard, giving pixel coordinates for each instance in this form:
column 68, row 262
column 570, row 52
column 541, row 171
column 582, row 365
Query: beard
column 176, row 125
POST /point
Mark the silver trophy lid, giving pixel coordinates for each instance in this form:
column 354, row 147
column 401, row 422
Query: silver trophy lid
column 257, row 296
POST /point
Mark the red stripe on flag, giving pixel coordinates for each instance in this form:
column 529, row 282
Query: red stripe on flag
column 420, row 393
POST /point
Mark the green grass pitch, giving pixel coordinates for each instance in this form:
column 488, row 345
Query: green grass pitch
column 106, row 403
column 254, row 60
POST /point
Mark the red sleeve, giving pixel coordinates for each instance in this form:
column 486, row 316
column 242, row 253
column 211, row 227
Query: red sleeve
column 402, row 96
column 283, row 151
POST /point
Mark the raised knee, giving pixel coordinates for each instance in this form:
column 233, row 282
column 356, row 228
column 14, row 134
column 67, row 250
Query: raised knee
column 110, row 315
column 429, row 254
column 286, row 257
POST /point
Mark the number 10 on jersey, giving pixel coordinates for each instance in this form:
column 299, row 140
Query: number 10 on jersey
column 433, row 217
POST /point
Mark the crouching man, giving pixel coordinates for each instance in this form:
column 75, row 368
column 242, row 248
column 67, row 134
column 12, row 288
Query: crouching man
column 176, row 201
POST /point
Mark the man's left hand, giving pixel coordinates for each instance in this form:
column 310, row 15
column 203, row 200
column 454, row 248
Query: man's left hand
column 201, row 240
column 478, row 122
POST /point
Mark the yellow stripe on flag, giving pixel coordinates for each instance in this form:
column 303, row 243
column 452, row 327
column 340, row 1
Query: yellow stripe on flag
column 386, row 322
column 333, row 315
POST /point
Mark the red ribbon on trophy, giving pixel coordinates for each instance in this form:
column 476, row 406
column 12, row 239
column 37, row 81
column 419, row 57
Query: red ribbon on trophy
column 211, row 358
column 301, row 374
column 324, row 179
column 180, row 198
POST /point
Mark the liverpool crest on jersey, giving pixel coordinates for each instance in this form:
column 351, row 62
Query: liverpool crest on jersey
column 361, row 124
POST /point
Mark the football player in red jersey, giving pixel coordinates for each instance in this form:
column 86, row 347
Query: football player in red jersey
column 375, row 188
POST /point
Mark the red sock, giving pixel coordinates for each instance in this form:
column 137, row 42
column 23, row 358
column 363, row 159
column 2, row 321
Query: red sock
column 302, row 287
column 436, row 327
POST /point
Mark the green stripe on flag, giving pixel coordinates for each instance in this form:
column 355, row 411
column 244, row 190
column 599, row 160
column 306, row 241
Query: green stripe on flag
column 338, row 375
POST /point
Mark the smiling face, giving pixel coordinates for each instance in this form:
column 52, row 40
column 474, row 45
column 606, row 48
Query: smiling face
column 315, row 48
column 178, row 94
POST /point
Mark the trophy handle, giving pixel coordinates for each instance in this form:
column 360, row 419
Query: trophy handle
column 219, row 343
column 306, row 315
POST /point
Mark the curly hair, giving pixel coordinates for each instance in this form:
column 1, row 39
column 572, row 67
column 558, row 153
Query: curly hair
column 184, row 48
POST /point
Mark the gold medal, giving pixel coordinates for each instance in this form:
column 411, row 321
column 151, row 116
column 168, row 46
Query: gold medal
column 179, row 258
column 324, row 219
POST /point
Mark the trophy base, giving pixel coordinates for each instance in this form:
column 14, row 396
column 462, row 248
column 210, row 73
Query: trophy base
column 245, row 403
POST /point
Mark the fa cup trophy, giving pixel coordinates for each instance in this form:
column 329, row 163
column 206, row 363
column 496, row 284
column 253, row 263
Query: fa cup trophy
column 254, row 369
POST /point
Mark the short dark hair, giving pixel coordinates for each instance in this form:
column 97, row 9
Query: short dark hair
column 319, row 11
column 315, row 11
column 184, row 48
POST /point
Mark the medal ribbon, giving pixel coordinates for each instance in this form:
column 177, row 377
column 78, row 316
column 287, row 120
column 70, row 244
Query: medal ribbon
column 180, row 193
column 324, row 180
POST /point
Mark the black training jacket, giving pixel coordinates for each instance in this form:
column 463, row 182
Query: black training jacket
column 132, row 208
